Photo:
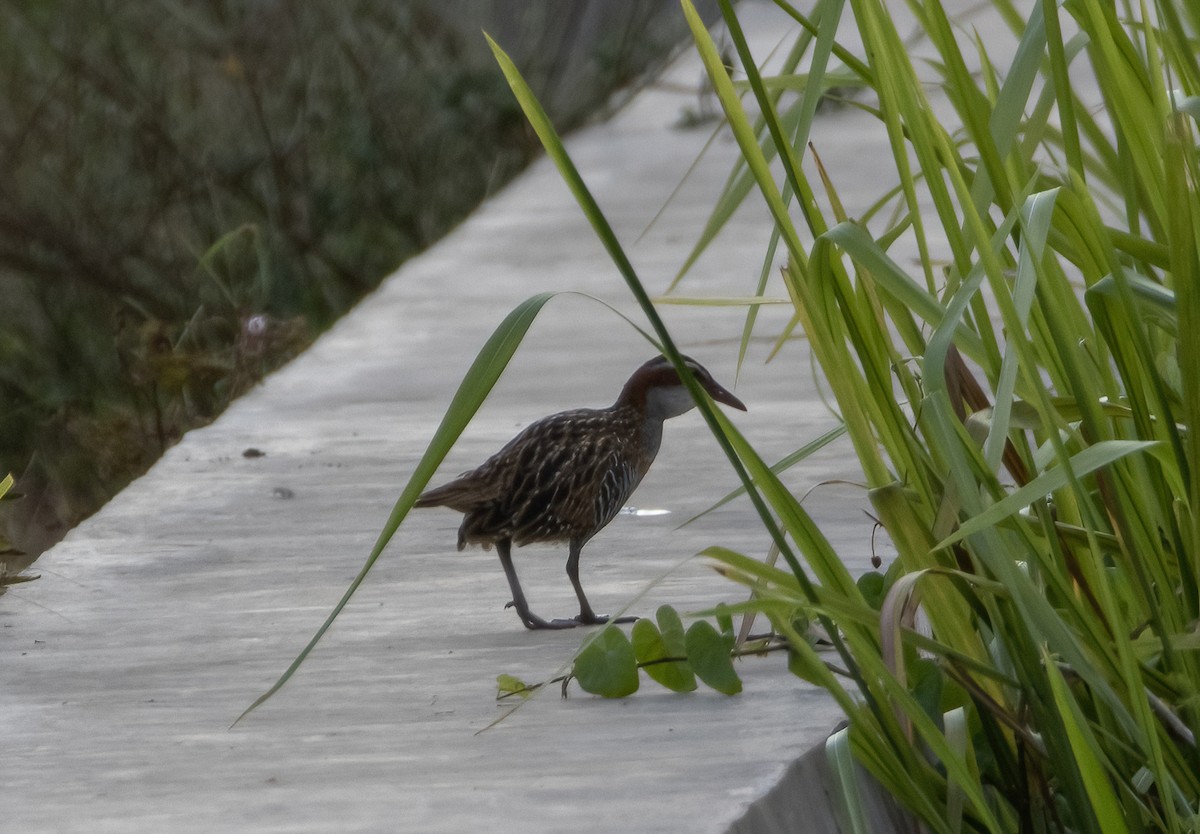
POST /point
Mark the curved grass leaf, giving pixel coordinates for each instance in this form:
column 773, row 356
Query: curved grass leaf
column 845, row 779
column 1105, row 806
column 742, row 180
column 723, row 431
column 1111, row 555
column 491, row 361
column 784, row 463
column 1084, row 463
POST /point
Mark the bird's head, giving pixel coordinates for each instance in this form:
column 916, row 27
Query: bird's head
column 656, row 389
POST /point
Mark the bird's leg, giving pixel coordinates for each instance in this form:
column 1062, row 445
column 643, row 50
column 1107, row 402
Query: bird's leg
column 586, row 615
column 530, row 620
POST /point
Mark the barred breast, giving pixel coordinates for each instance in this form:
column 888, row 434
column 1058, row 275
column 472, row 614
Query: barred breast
column 563, row 477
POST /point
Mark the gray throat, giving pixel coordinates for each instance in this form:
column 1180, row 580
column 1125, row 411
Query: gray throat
column 663, row 404
column 667, row 402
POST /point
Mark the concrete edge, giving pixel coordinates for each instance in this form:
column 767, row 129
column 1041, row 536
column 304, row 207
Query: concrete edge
column 808, row 798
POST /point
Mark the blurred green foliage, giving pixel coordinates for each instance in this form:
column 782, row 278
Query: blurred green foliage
column 191, row 190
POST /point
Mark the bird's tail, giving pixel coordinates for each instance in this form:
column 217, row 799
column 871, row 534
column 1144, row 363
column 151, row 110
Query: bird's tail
column 458, row 495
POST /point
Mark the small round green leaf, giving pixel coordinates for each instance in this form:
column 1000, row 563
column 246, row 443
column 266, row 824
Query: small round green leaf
column 873, row 587
column 927, row 684
column 509, row 685
column 651, row 651
column 805, row 666
column 607, row 665
column 672, row 631
column 709, row 653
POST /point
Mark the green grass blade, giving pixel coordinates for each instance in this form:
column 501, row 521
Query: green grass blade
column 491, row 361
column 1036, row 217
column 591, row 209
column 845, row 776
column 1084, row 463
column 1105, row 806
column 783, row 464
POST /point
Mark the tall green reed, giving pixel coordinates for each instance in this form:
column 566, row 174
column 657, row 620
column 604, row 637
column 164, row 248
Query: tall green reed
column 1022, row 415
column 1022, row 418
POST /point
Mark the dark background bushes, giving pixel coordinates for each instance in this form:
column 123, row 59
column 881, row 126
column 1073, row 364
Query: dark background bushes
column 190, row 191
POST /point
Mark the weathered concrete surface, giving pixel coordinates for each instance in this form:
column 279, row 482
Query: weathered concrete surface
column 808, row 798
column 156, row 622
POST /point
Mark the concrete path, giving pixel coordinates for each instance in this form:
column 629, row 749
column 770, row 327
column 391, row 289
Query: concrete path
column 159, row 620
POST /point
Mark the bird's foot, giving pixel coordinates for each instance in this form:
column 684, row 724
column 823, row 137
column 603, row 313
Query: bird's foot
column 577, row 620
column 601, row 619
column 533, row 622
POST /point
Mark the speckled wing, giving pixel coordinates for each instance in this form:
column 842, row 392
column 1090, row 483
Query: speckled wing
column 576, row 481
column 562, row 477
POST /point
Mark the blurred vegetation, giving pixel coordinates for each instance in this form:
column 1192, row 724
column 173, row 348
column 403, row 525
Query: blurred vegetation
column 191, row 191
column 1022, row 397
column 1024, row 410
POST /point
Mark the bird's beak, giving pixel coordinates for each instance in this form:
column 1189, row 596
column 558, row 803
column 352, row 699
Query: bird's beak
column 722, row 396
